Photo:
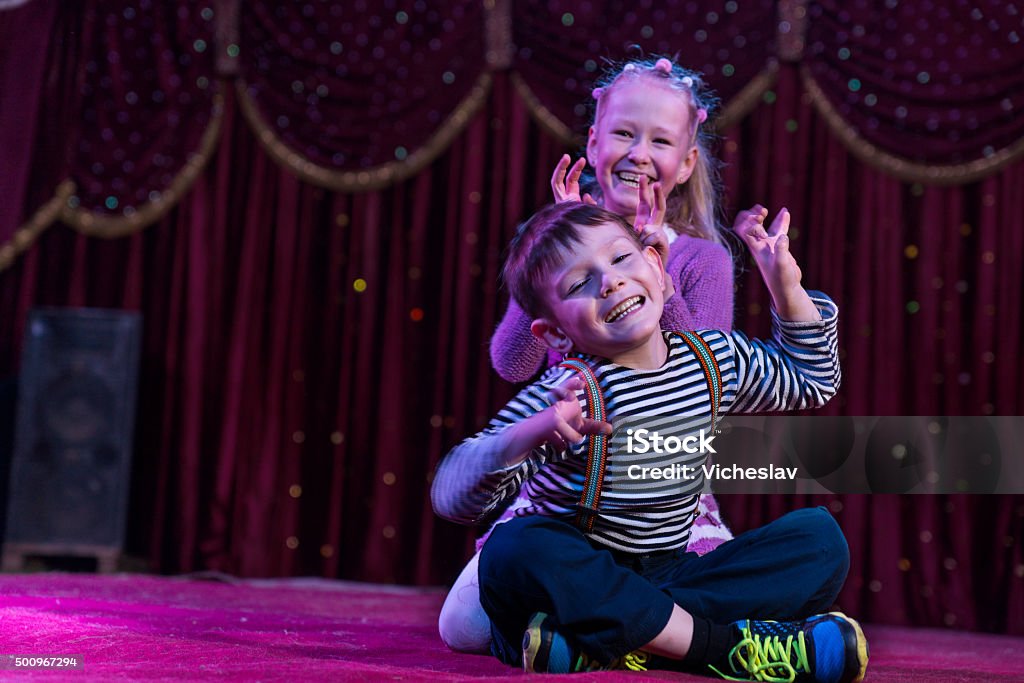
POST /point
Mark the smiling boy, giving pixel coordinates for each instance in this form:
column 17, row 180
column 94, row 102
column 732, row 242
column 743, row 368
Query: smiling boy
column 611, row 584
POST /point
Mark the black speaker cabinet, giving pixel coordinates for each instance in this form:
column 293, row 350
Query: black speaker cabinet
column 68, row 488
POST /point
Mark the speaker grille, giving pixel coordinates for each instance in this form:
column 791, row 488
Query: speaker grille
column 73, row 432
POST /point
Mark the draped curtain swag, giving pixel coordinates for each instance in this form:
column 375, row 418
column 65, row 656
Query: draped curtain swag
column 354, row 99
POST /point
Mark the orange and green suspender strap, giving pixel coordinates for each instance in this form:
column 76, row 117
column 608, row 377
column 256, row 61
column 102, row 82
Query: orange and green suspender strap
column 597, row 444
column 712, row 374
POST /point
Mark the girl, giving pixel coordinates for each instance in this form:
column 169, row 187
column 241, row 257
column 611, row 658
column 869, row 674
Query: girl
column 649, row 154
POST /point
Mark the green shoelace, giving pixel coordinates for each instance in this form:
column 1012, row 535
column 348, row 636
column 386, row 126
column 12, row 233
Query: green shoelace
column 633, row 661
column 767, row 659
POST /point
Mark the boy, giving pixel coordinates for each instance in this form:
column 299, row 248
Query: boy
column 595, row 575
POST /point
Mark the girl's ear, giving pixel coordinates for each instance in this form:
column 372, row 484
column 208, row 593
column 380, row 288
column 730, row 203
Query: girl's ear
column 689, row 163
column 551, row 334
column 592, row 147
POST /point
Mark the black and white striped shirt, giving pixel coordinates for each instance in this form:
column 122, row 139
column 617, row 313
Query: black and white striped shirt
column 798, row 368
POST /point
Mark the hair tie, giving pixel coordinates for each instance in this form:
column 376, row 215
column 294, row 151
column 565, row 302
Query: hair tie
column 663, row 65
column 687, row 81
column 596, row 93
column 702, row 116
column 629, row 67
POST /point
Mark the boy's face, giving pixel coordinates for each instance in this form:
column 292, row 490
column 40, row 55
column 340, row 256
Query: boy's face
column 606, row 297
column 644, row 129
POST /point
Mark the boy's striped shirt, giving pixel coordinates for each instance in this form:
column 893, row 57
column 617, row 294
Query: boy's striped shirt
column 798, row 369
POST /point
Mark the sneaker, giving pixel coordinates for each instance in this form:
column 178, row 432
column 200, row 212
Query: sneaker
column 545, row 650
column 827, row 648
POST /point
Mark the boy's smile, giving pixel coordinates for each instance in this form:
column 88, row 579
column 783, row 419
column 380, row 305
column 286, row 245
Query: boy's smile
column 605, row 299
column 626, row 308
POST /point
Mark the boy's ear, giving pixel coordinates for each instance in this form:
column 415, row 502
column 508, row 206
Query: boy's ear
column 592, row 147
column 689, row 163
column 551, row 334
column 654, row 259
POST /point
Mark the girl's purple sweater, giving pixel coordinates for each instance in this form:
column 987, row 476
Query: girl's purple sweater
column 702, row 273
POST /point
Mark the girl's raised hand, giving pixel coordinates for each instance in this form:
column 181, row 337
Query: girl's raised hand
column 566, row 188
column 650, row 215
column 651, row 206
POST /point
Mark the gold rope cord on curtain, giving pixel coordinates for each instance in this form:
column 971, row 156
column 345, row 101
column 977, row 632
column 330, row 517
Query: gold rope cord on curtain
column 371, row 178
column 43, row 218
column 901, row 168
column 62, row 205
column 737, row 108
column 101, row 225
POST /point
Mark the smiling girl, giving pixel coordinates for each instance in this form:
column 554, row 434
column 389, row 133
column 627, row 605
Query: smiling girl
column 648, row 148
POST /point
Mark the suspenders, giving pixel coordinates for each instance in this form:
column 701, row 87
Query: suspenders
column 597, row 444
column 712, row 375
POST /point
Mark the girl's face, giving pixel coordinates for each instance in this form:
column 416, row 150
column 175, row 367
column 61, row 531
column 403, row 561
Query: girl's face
column 643, row 128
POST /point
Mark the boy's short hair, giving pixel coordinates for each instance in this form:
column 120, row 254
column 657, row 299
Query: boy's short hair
column 542, row 243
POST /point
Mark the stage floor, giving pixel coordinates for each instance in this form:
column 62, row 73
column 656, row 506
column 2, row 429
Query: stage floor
column 137, row 627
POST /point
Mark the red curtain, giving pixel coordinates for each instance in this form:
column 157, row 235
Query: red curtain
column 309, row 354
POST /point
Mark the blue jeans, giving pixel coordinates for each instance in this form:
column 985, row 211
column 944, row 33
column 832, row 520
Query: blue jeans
column 609, row 603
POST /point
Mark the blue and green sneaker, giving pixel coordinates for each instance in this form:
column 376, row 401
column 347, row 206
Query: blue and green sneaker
column 827, row 648
column 545, row 650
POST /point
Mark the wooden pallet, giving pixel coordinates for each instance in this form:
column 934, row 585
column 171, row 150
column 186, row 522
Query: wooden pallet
column 15, row 555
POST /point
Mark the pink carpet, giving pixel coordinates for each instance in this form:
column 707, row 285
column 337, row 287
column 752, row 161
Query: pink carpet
column 134, row 627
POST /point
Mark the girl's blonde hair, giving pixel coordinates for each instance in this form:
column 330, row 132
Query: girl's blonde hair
column 693, row 207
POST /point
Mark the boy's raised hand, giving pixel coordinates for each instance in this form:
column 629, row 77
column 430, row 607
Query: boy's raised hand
column 566, row 188
column 563, row 423
column 780, row 271
column 770, row 248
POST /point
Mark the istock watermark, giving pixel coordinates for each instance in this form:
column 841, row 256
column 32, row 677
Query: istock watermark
column 659, row 458
column 820, row 454
column 646, row 440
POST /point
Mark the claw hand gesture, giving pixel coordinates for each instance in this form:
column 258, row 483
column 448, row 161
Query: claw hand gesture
column 650, row 216
column 566, row 188
column 563, row 424
column 779, row 269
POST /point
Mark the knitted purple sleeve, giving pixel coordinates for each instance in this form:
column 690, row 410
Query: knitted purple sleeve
column 516, row 355
column 702, row 273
